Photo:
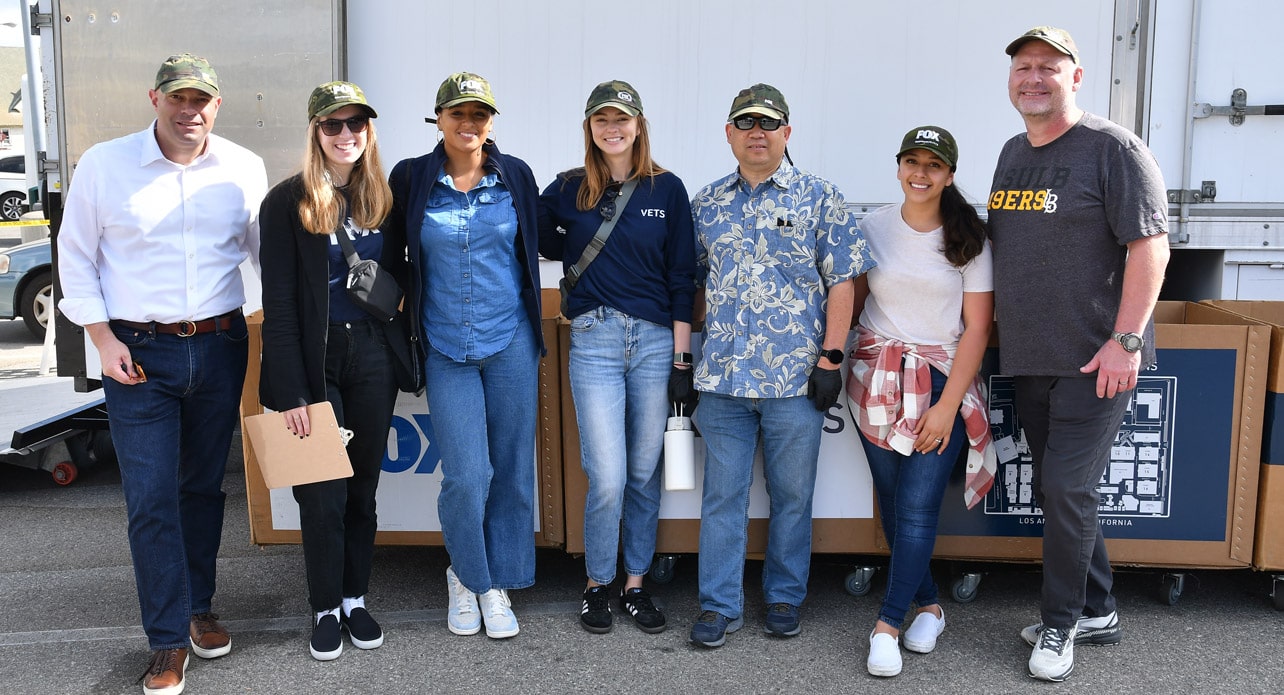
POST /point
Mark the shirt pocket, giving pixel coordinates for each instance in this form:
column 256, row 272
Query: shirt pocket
column 495, row 208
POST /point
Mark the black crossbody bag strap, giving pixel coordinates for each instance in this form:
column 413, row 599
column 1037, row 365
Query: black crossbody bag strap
column 603, row 232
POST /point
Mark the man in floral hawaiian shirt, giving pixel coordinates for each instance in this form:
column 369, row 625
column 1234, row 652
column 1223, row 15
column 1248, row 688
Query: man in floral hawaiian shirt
column 780, row 249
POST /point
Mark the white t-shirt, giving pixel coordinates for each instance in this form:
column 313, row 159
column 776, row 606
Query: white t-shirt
column 915, row 294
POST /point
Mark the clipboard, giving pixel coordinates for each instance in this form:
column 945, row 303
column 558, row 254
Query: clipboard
column 286, row 460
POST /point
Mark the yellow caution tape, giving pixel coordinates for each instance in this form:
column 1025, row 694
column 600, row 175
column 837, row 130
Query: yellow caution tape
column 25, row 223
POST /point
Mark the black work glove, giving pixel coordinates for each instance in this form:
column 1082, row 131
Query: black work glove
column 823, row 387
column 682, row 389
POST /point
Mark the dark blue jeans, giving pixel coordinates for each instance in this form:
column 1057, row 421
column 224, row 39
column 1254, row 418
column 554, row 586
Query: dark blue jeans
column 337, row 517
column 910, row 489
column 172, row 435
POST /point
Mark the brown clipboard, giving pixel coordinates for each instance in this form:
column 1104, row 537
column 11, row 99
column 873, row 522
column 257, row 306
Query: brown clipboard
column 287, row 459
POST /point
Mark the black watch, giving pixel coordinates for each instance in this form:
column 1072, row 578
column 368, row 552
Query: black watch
column 835, row 356
column 1131, row 342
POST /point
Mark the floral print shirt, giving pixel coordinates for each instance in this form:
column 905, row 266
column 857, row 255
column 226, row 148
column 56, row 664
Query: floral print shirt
column 770, row 254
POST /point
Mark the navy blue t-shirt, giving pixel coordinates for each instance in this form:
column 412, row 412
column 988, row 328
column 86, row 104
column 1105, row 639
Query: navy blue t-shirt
column 646, row 269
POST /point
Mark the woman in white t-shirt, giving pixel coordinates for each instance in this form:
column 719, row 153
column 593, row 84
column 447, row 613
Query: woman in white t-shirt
column 916, row 397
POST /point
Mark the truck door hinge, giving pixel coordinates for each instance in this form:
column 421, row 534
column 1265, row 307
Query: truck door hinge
column 1206, row 193
column 1238, row 109
column 40, row 19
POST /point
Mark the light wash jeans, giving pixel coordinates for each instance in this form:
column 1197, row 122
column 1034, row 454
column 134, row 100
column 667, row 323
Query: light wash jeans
column 790, row 430
column 484, row 413
column 620, row 380
column 910, row 490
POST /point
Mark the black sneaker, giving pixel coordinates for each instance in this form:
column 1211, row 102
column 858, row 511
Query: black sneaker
column 327, row 640
column 637, row 603
column 595, row 612
column 362, row 629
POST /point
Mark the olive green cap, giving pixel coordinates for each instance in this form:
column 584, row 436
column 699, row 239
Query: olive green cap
column 1054, row 37
column 186, row 70
column 617, row 93
column 332, row 96
column 465, row 86
column 933, row 139
column 760, row 98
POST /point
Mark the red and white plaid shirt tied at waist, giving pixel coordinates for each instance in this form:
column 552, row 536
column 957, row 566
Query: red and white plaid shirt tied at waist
column 890, row 388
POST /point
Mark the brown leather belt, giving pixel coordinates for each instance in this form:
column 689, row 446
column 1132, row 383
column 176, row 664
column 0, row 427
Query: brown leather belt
column 184, row 329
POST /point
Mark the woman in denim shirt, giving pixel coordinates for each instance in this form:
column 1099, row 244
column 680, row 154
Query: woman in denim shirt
column 471, row 226
column 630, row 338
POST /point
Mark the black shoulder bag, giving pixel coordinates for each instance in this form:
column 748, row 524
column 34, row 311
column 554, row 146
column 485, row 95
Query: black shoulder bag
column 595, row 245
column 369, row 286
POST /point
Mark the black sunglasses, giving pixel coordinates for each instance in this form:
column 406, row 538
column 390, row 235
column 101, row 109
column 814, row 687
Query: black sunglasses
column 334, row 126
column 766, row 122
column 607, row 208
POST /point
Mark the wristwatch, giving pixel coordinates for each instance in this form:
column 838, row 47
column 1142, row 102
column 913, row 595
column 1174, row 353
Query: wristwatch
column 835, row 356
column 1131, row 342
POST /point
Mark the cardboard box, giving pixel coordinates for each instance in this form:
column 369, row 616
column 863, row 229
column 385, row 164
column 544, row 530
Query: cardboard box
column 1181, row 490
column 411, row 480
column 1268, row 551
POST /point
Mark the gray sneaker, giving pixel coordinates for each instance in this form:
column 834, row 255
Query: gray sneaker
column 1103, row 630
column 1053, row 657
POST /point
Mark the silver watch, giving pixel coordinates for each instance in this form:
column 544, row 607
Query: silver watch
column 1131, row 342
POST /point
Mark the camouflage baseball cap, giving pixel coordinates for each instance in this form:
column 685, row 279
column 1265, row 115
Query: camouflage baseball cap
column 465, row 86
column 332, row 96
column 760, row 98
column 186, row 70
column 1054, row 37
column 617, row 93
column 933, row 139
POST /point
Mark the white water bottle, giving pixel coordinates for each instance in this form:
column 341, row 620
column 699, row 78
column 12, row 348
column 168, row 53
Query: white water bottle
column 679, row 453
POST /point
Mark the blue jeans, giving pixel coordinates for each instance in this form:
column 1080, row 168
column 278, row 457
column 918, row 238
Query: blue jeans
column 620, row 380
column 910, row 490
column 790, row 429
column 484, row 413
column 337, row 517
column 172, row 434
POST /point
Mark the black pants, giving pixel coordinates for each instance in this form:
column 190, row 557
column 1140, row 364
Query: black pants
column 1070, row 431
column 338, row 516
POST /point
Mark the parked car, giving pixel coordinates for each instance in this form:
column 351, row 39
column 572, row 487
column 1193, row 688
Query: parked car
column 26, row 285
column 13, row 187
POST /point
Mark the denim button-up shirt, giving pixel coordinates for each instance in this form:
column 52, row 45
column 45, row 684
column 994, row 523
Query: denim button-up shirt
column 470, row 269
column 771, row 254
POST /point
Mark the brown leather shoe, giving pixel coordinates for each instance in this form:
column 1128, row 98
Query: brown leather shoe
column 164, row 675
column 209, row 638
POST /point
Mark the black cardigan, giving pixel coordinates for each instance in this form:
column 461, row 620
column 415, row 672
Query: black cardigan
column 296, row 297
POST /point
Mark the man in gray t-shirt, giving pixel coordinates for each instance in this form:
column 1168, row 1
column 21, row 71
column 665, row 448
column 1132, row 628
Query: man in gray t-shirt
column 1078, row 220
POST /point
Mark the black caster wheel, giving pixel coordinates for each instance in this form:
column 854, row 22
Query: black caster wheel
column 963, row 590
column 662, row 568
column 857, row 582
column 1170, row 588
column 1277, row 592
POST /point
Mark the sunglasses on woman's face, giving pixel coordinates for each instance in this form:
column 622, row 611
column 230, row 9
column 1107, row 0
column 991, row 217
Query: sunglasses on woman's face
column 746, row 122
column 334, row 126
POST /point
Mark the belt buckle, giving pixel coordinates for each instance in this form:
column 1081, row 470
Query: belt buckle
column 186, row 329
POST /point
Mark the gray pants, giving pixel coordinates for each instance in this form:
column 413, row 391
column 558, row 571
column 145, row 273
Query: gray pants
column 1070, row 431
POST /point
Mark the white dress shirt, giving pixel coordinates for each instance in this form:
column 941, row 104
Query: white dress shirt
column 146, row 239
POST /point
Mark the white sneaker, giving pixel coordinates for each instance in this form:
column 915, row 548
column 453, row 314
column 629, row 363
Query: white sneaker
column 922, row 633
column 1102, row 630
column 884, row 655
column 1053, row 657
column 463, row 618
column 498, row 613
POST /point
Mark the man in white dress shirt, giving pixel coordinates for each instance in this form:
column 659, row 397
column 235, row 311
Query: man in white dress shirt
column 155, row 227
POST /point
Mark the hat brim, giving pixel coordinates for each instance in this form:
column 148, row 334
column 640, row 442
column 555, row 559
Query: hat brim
column 626, row 108
column 184, row 83
column 938, row 151
column 465, row 99
column 1016, row 46
column 761, row 110
column 335, row 107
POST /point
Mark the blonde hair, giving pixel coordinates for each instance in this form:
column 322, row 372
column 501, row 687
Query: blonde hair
column 321, row 208
column 597, row 174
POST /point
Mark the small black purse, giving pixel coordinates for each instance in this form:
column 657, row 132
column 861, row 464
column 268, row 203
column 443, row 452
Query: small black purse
column 369, row 287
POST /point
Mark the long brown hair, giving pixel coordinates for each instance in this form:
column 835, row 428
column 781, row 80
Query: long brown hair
column 321, row 207
column 597, row 174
